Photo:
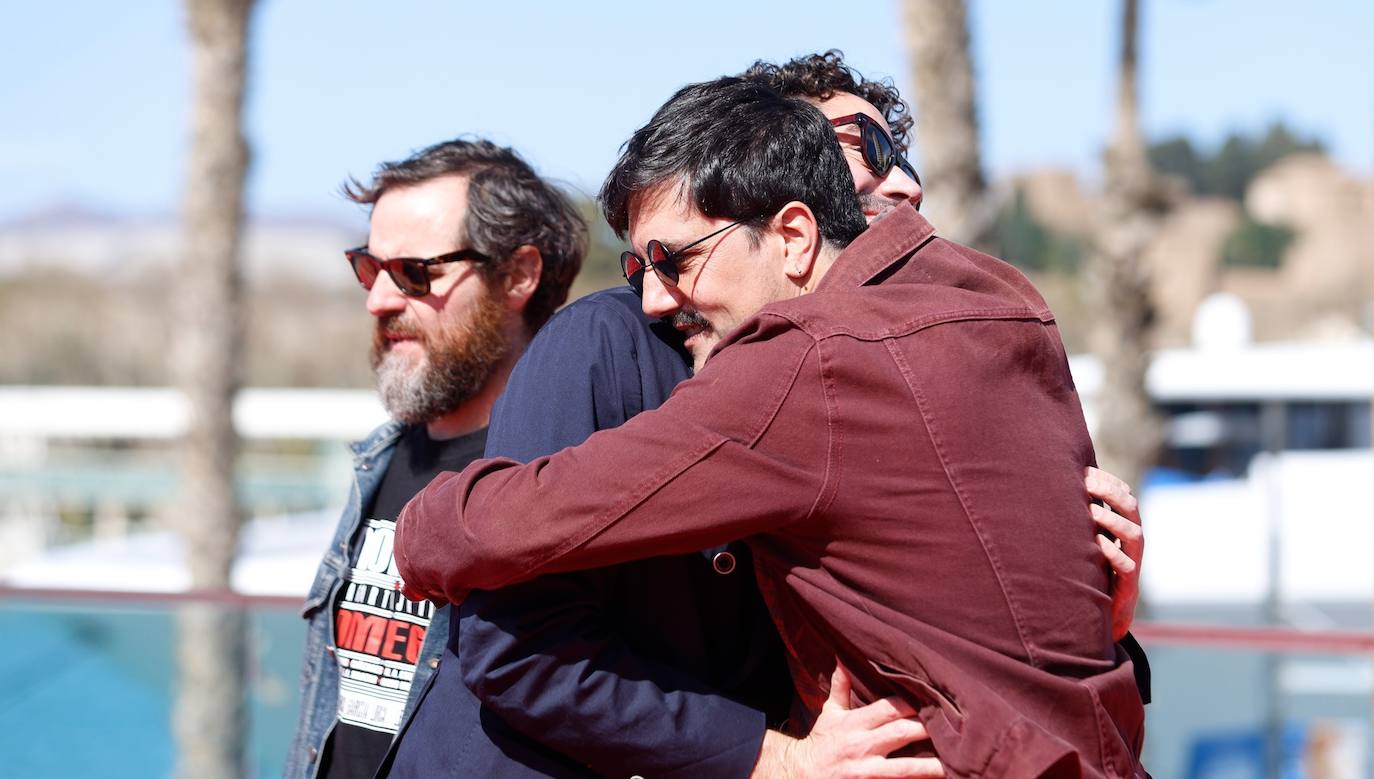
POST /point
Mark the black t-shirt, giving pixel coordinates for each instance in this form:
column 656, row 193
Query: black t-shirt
column 378, row 632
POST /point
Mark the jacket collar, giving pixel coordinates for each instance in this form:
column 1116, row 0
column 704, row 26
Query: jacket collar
column 377, row 441
column 878, row 248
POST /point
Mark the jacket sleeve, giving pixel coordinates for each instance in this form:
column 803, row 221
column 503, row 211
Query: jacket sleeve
column 542, row 655
column 743, row 447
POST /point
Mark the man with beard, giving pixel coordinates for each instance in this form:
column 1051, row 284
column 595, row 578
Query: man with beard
column 468, row 253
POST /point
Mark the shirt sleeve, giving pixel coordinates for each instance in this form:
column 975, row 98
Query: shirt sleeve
column 743, row 447
column 541, row 656
column 544, row 655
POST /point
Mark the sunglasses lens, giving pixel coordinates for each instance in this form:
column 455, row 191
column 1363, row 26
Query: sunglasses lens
column 877, row 149
column 412, row 278
column 664, row 264
column 632, row 268
column 630, row 264
column 365, row 267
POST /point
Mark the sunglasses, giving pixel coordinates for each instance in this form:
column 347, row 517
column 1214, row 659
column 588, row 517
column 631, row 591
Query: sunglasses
column 879, row 152
column 409, row 274
column 661, row 260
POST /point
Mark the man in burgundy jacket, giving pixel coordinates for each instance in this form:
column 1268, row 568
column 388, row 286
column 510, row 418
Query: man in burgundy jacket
column 892, row 426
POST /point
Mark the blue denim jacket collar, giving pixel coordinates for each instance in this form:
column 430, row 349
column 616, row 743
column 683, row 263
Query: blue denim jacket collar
column 376, row 443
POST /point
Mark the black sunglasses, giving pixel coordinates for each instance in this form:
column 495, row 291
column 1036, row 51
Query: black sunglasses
column 409, row 274
column 879, row 152
column 661, row 260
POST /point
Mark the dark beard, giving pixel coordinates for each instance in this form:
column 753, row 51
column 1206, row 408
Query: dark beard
column 882, row 206
column 687, row 319
column 457, row 362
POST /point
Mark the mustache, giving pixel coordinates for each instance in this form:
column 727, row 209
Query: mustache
column 394, row 325
column 689, row 319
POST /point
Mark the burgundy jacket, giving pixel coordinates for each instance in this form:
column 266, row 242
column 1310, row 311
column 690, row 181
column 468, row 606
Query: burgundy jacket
column 903, row 450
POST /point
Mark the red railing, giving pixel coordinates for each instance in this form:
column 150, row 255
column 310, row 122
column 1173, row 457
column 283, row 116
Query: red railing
column 130, row 597
column 1349, row 642
column 1158, row 633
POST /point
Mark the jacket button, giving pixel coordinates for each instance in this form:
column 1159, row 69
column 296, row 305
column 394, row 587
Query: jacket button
column 365, row 467
column 724, row 563
column 313, row 755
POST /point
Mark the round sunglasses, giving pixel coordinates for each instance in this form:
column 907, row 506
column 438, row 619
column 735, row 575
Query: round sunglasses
column 879, row 152
column 409, row 274
column 661, row 260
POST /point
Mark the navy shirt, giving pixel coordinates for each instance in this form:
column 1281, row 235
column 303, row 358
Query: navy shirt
column 661, row 667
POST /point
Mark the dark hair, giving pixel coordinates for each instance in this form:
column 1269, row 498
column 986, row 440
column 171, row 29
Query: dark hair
column 508, row 206
column 740, row 151
column 820, row 76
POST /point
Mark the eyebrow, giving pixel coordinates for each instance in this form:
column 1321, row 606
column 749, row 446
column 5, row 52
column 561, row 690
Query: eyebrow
column 676, row 252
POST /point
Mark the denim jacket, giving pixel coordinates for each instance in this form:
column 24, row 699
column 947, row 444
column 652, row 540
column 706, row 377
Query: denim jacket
column 320, row 672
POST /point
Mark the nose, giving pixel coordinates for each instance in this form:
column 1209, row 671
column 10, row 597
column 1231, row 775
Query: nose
column 384, row 298
column 899, row 186
column 659, row 300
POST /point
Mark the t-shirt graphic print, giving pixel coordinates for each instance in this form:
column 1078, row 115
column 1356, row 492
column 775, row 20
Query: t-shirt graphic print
column 380, row 633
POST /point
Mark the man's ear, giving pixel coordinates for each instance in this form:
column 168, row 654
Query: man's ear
column 801, row 240
column 521, row 276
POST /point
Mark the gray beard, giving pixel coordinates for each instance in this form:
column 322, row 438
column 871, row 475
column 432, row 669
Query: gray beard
column 455, row 366
column 416, row 395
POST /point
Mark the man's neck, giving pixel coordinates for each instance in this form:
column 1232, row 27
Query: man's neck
column 825, row 259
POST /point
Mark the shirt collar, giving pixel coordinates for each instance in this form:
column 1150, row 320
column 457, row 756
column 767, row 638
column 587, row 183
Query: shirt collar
column 879, row 247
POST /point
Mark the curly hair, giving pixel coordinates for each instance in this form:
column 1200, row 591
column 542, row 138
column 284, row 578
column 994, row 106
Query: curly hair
column 820, row 76
column 508, row 206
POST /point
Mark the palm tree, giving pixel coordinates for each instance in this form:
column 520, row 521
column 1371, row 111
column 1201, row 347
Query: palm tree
column 1134, row 202
column 210, row 713
column 957, row 198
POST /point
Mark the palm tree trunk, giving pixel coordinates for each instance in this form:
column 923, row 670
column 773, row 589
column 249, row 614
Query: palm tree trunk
column 210, row 713
column 1129, row 432
column 956, row 197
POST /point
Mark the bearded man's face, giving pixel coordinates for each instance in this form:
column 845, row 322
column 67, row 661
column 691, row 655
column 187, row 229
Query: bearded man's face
column 434, row 352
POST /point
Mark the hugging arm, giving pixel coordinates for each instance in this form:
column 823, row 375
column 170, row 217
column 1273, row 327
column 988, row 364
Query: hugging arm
column 666, row 482
column 1120, row 516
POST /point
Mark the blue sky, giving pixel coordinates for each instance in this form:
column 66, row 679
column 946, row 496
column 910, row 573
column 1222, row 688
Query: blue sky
column 95, row 99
